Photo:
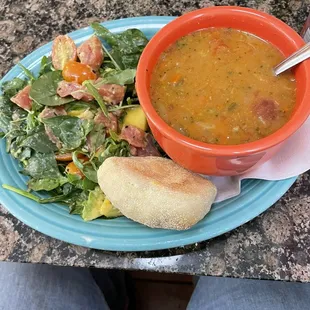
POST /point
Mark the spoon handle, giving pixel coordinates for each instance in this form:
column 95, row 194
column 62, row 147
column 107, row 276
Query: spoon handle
column 299, row 56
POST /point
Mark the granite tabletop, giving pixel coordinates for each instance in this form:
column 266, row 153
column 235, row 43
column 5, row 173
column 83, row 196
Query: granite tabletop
column 275, row 245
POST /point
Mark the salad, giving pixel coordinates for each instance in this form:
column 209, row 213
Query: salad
column 79, row 110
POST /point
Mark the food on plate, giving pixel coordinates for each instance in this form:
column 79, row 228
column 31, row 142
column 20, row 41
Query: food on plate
column 136, row 117
column 74, row 71
column 155, row 191
column 217, row 86
column 98, row 205
column 81, row 108
column 91, row 53
column 63, row 50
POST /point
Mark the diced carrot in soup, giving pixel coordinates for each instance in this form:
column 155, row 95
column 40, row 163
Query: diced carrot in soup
column 217, row 86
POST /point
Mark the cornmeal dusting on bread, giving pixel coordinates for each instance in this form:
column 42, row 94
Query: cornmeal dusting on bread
column 165, row 173
column 155, row 191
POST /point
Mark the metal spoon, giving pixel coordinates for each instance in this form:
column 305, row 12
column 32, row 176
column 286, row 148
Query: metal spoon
column 291, row 61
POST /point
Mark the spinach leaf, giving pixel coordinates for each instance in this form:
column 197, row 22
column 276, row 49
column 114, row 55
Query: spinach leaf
column 131, row 41
column 70, row 130
column 20, row 140
column 120, row 77
column 39, row 141
column 18, row 152
column 126, row 46
column 32, row 121
column 11, row 88
column 24, row 155
column 27, row 72
column 6, row 111
column 46, row 184
column 94, row 92
column 90, row 171
column 42, row 166
column 46, row 65
column 17, row 128
column 44, row 90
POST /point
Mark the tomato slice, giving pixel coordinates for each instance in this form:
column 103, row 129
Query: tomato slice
column 74, row 71
column 73, row 169
column 63, row 50
column 91, row 53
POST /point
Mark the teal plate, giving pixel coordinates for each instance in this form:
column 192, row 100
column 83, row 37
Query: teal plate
column 122, row 234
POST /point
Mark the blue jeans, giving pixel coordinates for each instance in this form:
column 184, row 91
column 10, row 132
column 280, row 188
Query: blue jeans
column 43, row 287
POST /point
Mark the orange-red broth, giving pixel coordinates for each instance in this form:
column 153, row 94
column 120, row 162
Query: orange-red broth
column 217, row 86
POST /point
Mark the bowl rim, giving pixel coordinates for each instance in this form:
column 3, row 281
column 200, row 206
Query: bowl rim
column 289, row 128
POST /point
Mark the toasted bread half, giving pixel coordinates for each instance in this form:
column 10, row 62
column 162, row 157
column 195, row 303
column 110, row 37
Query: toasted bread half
column 156, row 191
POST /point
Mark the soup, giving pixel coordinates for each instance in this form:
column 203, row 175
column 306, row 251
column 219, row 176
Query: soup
column 217, row 86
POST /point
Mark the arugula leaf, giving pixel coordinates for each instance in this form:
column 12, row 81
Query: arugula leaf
column 32, row 121
column 96, row 138
column 27, row 72
column 114, row 136
column 46, row 184
column 84, row 184
column 42, row 166
column 17, row 128
column 21, row 192
column 11, row 88
column 59, row 198
column 44, row 90
column 122, row 107
column 76, row 202
column 80, row 106
column 46, row 65
column 70, row 130
column 94, row 92
column 120, row 77
column 39, row 141
column 126, row 46
column 6, row 111
column 88, row 168
column 116, row 61
column 36, row 107
column 114, row 146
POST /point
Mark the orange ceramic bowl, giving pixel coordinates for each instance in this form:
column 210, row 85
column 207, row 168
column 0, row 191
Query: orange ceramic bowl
column 214, row 159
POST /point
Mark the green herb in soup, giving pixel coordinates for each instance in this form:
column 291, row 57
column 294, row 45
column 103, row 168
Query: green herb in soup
column 217, row 86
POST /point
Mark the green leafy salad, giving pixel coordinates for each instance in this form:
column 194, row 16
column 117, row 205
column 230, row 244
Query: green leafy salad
column 79, row 110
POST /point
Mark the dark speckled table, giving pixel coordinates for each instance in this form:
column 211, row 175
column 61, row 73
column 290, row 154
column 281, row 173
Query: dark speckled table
column 276, row 245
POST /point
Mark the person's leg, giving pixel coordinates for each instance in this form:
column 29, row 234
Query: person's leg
column 225, row 293
column 37, row 287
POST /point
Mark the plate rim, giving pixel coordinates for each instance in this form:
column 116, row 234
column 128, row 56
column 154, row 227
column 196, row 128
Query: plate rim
column 10, row 202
